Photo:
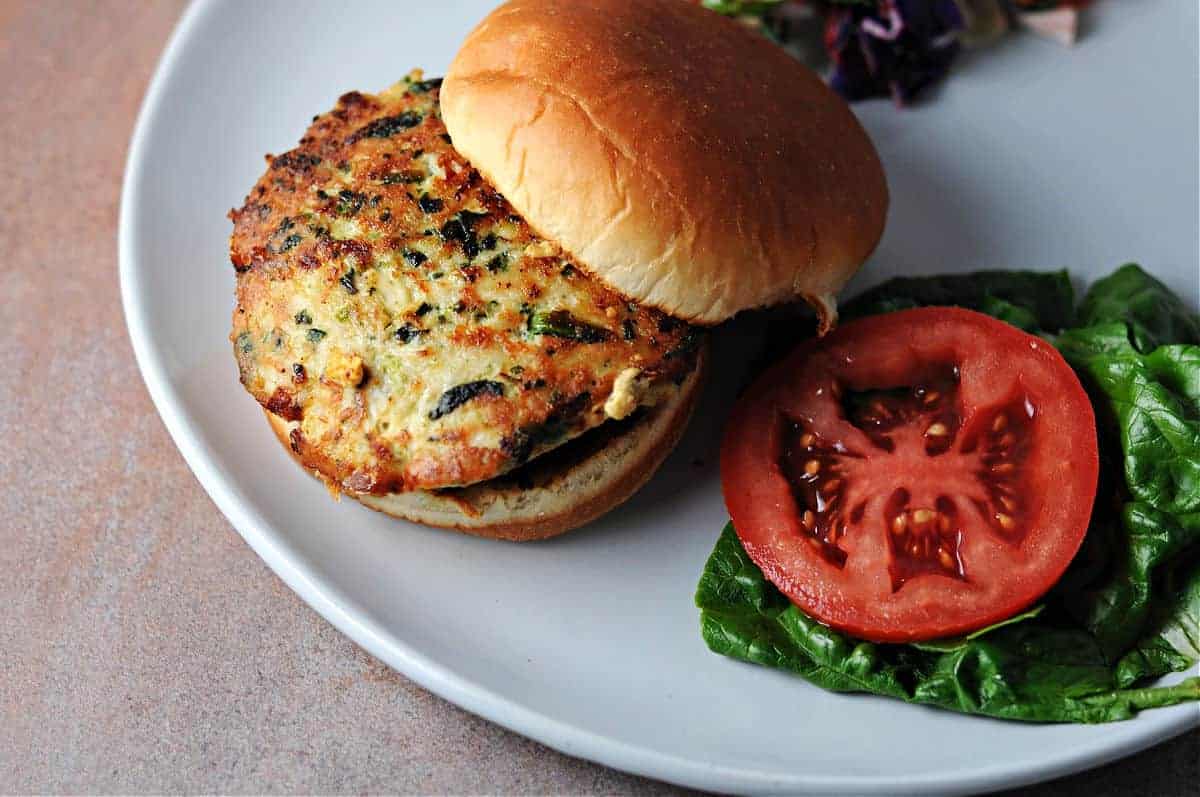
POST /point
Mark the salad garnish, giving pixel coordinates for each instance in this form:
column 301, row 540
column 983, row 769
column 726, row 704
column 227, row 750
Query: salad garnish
column 1126, row 611
column 896, row 48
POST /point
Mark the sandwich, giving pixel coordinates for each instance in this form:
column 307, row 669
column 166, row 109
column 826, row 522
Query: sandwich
column 481, row 303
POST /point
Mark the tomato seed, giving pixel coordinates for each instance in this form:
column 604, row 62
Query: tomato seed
column 1000, row 422
column 812, row 467
column 807, row 439
column 937, row 430
column 1006, row 521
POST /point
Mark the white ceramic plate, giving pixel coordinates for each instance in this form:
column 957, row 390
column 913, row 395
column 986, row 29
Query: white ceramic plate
column 1032, row 155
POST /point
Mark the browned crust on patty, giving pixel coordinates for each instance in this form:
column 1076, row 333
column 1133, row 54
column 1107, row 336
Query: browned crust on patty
column 566, row 489
column 424, row 224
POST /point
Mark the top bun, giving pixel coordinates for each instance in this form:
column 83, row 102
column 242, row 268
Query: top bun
column 685, row 160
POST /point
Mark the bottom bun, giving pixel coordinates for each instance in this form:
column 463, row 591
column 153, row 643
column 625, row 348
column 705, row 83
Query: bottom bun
column 558, row 491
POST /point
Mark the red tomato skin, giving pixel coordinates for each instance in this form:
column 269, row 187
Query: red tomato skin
column 1000, row 578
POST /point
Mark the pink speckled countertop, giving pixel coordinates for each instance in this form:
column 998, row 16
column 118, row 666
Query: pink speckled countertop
column 143, row 646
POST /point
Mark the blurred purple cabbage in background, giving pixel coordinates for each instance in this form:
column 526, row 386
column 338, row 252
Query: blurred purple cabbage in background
column 894, row 48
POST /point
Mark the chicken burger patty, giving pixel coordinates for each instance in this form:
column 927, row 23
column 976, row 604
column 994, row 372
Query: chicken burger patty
column 415, row 328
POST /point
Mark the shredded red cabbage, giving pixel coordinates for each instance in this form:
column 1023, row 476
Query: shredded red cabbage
column 896, row 48
column 880, row 48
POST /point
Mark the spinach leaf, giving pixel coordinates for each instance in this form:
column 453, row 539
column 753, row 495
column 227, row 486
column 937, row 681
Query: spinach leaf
column 1151, row 402
column 386, row 126
column 954, row 643
column 1117, row 608
column 1020, row 317
column 459, row 395
column 561, row 324
column 1076, row 345
column 1026, row 671
column 1173, row 642
column 1127, row 610
column 1153, row 313
column 1031, row 300
column 1155, row 399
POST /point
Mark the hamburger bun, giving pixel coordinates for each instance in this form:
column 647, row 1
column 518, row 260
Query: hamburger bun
column 556, row 492
column 686, row 161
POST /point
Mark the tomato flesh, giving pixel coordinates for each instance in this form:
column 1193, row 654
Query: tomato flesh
column 913, row 475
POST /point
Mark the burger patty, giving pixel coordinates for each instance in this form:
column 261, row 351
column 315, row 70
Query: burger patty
column 423, row 336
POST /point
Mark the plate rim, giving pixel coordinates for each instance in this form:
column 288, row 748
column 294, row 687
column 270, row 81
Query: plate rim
column 342, row 612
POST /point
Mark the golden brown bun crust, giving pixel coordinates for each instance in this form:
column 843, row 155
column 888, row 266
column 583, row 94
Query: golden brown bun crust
column 559, row 491
column 685, row 160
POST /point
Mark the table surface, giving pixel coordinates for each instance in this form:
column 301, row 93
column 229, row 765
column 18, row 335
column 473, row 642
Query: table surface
column 143, row 646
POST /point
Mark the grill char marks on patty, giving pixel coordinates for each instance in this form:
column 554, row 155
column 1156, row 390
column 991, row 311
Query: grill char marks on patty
column 421, row 333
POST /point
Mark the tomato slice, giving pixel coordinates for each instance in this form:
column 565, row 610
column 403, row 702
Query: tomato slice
column 913, row 475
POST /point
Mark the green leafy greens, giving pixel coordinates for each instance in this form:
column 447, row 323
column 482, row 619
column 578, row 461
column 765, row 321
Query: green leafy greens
column 1026, row 670
column 1155, row 315
column 1127, row 610
column 1030, row 300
